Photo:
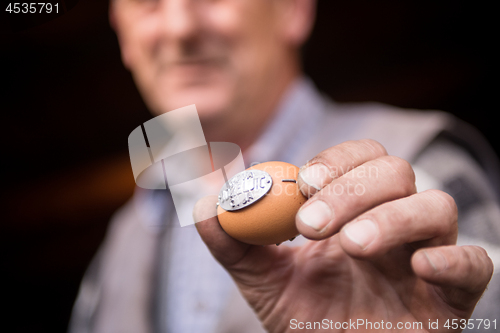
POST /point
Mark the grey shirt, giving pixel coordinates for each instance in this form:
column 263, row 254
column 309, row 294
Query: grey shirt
column 151, row 275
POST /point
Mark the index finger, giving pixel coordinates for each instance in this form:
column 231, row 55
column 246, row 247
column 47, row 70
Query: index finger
column 336, row 161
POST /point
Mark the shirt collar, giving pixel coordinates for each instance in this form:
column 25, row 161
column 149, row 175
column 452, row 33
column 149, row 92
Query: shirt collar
column 298, row 114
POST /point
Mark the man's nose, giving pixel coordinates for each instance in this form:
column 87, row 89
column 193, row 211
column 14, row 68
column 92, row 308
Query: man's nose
column 179, row 19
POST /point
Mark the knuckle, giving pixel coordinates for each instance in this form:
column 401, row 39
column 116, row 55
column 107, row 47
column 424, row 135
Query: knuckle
column 480, row 252
column 490, row 267
column 402, row 170
column 402, row 166
column 352, row 150
column 481, row 256
column 476, row 259
column 346, row 149
column 349, row 150
column 374, row 146
column 446, row 204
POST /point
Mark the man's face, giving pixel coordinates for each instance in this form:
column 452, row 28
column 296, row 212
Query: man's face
column 217, row 54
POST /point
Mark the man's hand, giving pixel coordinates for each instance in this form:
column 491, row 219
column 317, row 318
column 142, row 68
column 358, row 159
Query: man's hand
column 382, row 250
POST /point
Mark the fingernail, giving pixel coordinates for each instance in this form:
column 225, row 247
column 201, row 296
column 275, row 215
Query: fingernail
column 317, row 215
column 436, row 260
column 316, row 176
column 362, row 232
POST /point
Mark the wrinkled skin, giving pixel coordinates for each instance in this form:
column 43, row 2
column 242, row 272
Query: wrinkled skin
column 407, row 269
column 235, row 59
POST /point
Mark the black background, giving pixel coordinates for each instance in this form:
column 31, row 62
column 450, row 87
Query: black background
column 68, row 105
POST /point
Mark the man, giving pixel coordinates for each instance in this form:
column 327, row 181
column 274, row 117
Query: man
column 385, row 256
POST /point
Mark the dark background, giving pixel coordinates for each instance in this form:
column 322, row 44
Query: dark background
column 68, row 105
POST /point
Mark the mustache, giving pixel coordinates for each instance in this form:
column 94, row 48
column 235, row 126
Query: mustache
column 190, row 54
column 204, row 50
column 201, row 60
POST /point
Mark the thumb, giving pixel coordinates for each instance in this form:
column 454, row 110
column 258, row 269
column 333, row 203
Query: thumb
column 244, row 262
column 227, row 250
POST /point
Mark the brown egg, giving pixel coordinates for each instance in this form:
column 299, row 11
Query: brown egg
column 257, row 219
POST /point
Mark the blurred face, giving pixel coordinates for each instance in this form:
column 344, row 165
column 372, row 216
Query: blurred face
column 217, row 54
